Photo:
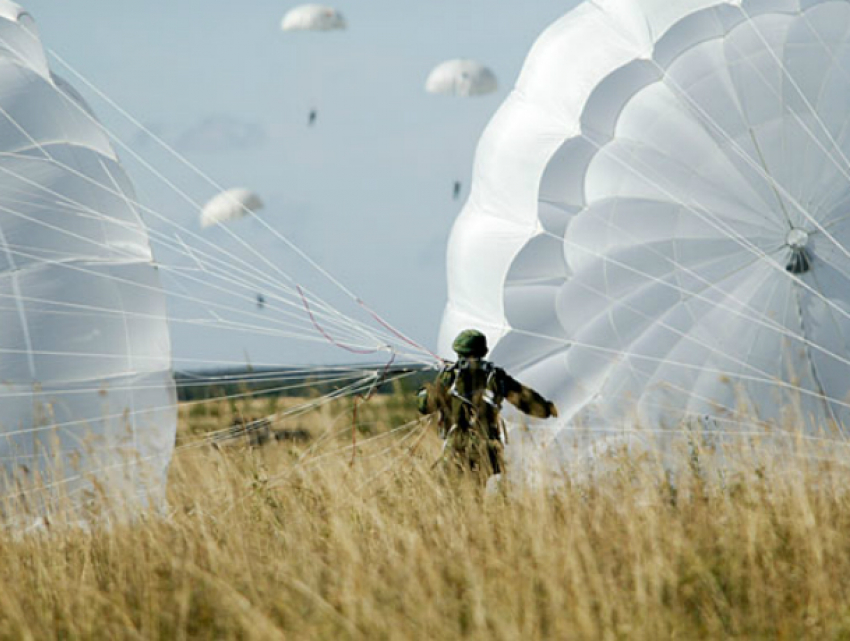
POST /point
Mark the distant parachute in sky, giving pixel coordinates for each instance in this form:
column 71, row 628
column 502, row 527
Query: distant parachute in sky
column 85, row 356
column 658, row 227
column 230, row 205
column 312, row 17
column 463, row 78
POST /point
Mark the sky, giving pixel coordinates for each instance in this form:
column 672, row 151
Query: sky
column 366, row 192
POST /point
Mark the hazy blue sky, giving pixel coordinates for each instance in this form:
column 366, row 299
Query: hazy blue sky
column 367, row 191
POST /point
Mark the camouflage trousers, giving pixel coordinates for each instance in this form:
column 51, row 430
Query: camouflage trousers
column 474, row 450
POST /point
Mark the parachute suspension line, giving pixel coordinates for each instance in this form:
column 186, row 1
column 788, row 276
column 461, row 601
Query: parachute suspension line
column 165, row 241
column 753, row 164
column 771, row 181
column 129, row 464
column 625, row 357
column 760, row 317
column 361, row 384
column 109, row 277
column 399, row 334
column 723, row 228
column 379, row 380
column 357, row 326
column 803, row 14
column 280, row 479
column 83, row 422
column 330, row 338
column 61, row 230
column 683, row 335
column 117, row 189
column 104, row 245
column 67, row 232
column 301, row 253
column 811, row 363
column 358, row 386
column 420, row 433
column 737, row 148
column 771, row 381
column 224, row 324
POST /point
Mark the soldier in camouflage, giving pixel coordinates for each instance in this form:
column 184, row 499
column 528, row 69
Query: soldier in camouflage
column 467, row 399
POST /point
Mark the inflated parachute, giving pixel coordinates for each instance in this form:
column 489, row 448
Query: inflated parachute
column 230, row 205
column 465, row 78
column 659, row 224
column 85, row 359
column 312, row 17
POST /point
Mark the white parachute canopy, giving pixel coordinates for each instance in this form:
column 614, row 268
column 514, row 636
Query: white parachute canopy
column 230, row 205
column 312, row 17
column 659, row 225
column 85, row 356
column 465, row 78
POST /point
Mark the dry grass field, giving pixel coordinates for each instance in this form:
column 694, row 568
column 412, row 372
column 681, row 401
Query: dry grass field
column 297, row 539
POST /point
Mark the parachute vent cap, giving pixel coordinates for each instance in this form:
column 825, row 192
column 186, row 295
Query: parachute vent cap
column 800, row 261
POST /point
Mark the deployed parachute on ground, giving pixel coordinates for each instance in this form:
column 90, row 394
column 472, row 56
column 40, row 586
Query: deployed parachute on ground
column 659, row 226
column 312, row 17
column 229, row 205
column 464, row 78
column 88, row 401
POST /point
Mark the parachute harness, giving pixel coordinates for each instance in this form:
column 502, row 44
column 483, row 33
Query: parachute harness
column 488, row 396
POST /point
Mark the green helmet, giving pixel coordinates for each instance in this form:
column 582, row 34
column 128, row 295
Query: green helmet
column 470, row 343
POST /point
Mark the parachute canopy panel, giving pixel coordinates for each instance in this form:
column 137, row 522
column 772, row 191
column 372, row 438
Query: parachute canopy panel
column 668, row 189
column 85, row 373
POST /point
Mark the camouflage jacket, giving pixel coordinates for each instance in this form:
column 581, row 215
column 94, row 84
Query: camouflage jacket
column 468, row 394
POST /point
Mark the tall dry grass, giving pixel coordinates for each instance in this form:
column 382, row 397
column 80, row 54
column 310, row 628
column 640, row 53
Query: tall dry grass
column 271, row 543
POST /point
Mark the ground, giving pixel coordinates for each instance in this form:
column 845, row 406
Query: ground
column 314, row 539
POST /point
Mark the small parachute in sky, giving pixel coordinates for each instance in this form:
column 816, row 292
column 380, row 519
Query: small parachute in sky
column 464, row 78
column 312, row 17
column 311, row 119
column 457, row 189
column 230, row 205
column 261, row 301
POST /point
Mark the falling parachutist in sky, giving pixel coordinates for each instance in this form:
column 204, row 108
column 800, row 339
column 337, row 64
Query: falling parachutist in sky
column 312, row 118
column 457, row 189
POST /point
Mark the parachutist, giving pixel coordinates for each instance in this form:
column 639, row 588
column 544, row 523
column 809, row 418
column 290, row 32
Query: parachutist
column 261, row 301
column 311, row 119
column 467, row 398
column 457, row 189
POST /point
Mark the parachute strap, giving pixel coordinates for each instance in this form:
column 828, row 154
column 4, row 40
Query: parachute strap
column 327, row 336
column 365, row 398
column 399, row 334
column 462, row 369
